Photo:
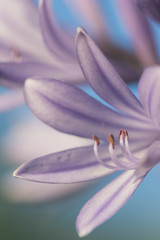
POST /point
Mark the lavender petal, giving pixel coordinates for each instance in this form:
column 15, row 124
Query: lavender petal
column 103, row 78
column 70, row 166
column 106, row 202
column 150, row 8
column 77, row 113
column 151, row 159
column 13, row 74
column 20, row 29
column 56, row 39
column 148, row 89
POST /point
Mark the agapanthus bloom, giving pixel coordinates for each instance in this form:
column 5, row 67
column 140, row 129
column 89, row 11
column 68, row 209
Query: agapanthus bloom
column 150, row 8
column 82, row 115
column 47, row 50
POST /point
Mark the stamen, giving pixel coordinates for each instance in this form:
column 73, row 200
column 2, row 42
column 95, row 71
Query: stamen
column 96, row 139
column 117, row 162
column 120, row 134
column 127, row 148
column 96, row 143
column 126, row 165
column 126, row 134
column 111, row 140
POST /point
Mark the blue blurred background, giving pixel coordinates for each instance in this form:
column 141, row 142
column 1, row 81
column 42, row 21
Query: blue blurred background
column 54, row 218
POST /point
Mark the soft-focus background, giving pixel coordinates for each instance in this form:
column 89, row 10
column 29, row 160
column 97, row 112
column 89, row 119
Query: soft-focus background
column 39, row 211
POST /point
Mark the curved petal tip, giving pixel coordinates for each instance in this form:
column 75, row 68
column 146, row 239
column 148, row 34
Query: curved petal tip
column 80, row 30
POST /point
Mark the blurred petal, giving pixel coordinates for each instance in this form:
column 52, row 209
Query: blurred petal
column 149, row 92
column 103, row 78
column 56, row 39
column 11, row 100
column 70, row 166
column 139, row 30
column 150, row 8
column 106, row 202
column 93, row 16
column 13, row 74
column 78, row 113
column 19, row 26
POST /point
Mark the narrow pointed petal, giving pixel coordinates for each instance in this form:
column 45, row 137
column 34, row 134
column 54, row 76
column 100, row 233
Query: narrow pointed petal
column 150, row 8
column 148, row 90
column 77, row 113
column 103, row 78
column 139, row 31
column 56, row 39
column 11, row 100
column 70, row 166
column 106, row 202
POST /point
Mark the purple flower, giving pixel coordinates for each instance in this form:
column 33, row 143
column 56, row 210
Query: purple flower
column 81, row 115
column 47, row 50
column 150, row 8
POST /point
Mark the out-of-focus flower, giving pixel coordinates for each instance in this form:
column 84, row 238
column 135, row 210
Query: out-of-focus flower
column 81, row 115
column 24, row 54
column 141, row 39
column 150, row 8
column 28, row 139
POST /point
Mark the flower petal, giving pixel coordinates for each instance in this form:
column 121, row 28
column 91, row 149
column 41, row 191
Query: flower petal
column 93, row 16
column 13, row 74
column 106, row 202
column 148, row 90
column 68, row 109
column 20, row 29
column 139, row 31
column 56, row 39
column 103, row 78
column 150, row 8
column 70, row 166
column 11, row 100
column 149, row 160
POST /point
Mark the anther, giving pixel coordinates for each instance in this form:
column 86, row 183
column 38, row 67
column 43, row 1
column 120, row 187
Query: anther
column 126, row 134
column 96, row 139
column 15, row 53
column 111, row 140
column 120, row 134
